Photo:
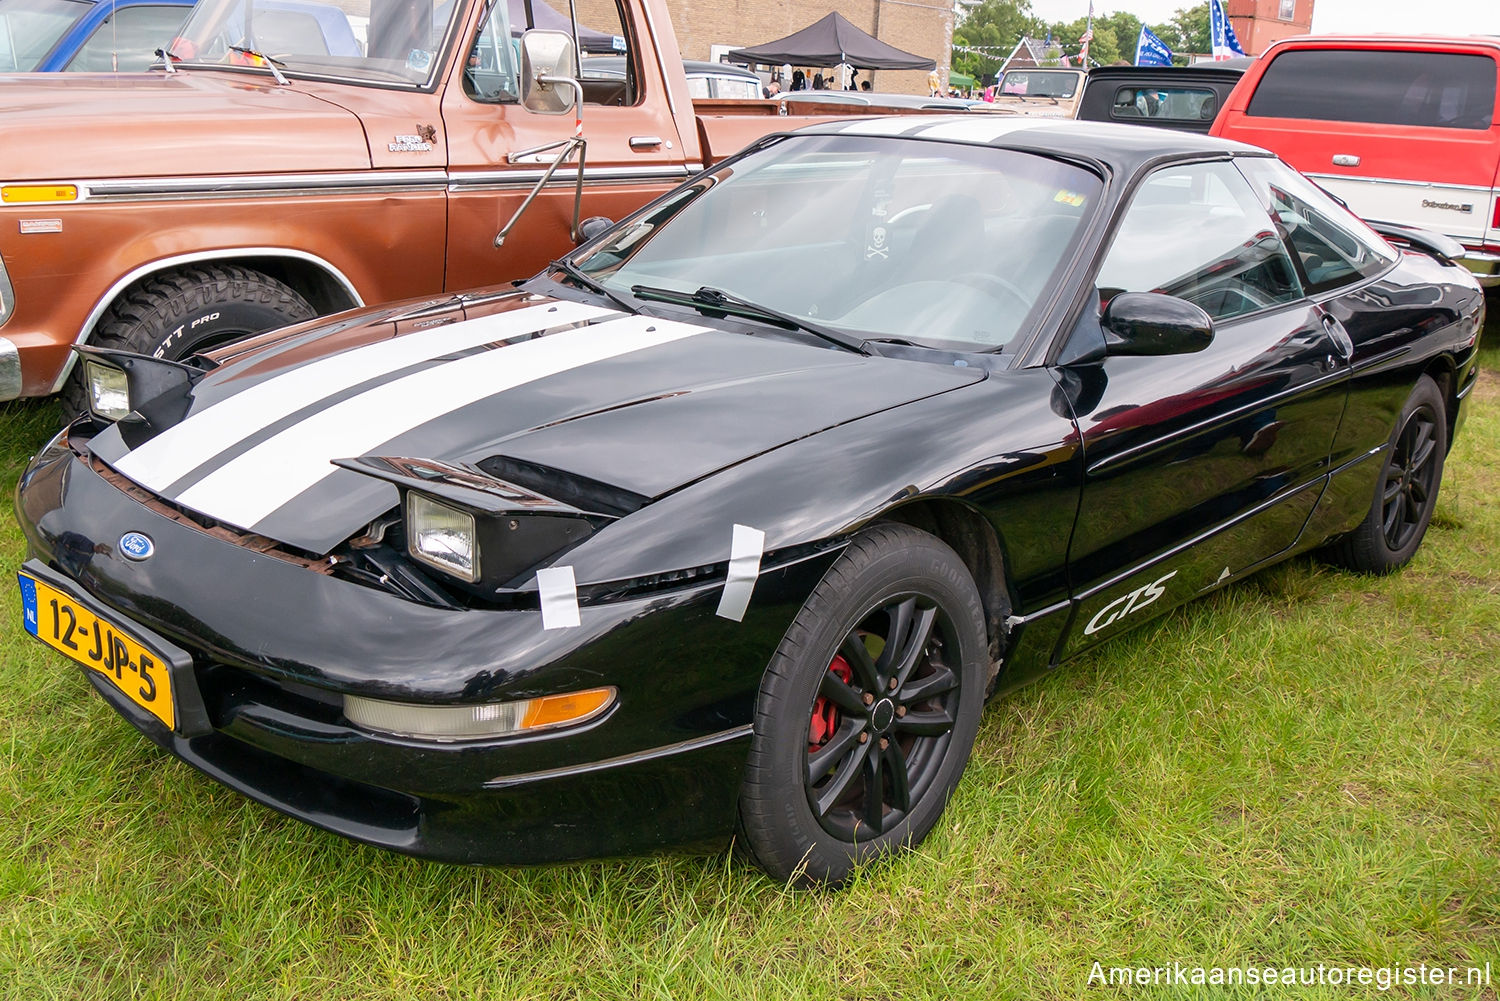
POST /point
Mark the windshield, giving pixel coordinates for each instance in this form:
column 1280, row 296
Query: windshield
column 393, row 42
column 1039, row 83
column 940, row 244
column 30, row 28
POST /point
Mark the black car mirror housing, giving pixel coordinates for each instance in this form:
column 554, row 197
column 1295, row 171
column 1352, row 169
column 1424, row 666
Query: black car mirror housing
column 1150, row 323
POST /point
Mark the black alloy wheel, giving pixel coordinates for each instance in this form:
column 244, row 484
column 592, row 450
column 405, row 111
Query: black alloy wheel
column 1411, row 478
column 1406, row 491
column 883, row 718
column 867, row 712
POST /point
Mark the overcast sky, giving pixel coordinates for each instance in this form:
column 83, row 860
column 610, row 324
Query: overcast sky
column 1456, row 17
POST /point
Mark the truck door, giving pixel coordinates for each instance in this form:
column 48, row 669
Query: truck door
column 634, row 150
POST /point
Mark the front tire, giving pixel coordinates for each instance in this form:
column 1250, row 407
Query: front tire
column 868, row 710
column 187, row 310
column 1407, row 490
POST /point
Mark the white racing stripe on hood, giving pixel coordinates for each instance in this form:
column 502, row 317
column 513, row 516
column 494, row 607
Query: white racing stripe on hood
column 180, row 449
column 252, row 486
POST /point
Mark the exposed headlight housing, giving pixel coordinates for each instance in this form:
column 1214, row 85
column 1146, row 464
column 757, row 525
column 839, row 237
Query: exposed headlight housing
column 478, row 722
column 442, row 536
column 109, row 389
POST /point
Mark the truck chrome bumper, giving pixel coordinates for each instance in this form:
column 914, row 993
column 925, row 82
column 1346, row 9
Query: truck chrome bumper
column 10, row 370
column 1484, row 265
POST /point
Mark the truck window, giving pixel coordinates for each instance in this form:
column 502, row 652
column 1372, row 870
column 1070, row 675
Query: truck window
column 30, row 28
column 608, row 71
column 1434, row 89
column 1176, row 103
column 392, row 43
column 127, row 40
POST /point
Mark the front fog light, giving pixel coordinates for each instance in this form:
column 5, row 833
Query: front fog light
column 494, row 719
column 442, row 536
column 109, row 390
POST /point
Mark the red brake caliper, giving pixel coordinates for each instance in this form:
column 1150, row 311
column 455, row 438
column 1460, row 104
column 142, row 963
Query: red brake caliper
column 825, row 715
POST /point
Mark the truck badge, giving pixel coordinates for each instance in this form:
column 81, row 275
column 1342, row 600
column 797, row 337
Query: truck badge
column 421, row 142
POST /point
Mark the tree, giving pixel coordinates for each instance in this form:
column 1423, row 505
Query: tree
column 1187, row 32
column 987, row 33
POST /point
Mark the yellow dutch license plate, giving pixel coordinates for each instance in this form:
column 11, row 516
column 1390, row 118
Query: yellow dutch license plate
column 64, row 624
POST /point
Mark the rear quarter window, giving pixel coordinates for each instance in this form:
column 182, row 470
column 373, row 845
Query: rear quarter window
column 1182, row 104
column 1434, row 89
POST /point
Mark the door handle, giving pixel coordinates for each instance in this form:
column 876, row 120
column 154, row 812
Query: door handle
column 1340, row 337
column 645, row 142
column 1345, row 160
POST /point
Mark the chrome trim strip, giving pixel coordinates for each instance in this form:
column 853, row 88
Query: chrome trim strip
column 228, row 254
column 1401, row 182
column 661, row 64
column 10, row 370
column 639, row 757
column 473, row 180
column 229, row 186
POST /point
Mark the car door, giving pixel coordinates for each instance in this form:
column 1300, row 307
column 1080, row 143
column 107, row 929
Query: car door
column 634, row 152
column 1198, row 466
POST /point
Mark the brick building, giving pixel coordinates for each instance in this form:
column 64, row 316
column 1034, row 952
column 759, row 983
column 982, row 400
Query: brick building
column 924, row 27
column 1258, row 23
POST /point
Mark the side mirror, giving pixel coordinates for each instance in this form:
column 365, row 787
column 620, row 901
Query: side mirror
column 592, row 227
column 549, row 72
column 1150, row 323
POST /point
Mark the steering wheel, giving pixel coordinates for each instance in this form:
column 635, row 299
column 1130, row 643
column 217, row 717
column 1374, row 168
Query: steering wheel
column 992, row 283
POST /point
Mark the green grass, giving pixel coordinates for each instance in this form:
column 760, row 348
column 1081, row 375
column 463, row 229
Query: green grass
column 1301, row 769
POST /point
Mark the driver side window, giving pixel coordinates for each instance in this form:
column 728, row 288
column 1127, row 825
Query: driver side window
column 607, row 71
column 1198, row 232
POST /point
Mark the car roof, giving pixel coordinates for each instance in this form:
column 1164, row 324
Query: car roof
column 1165, row 73
column 1122, row 147
column 1395, row 42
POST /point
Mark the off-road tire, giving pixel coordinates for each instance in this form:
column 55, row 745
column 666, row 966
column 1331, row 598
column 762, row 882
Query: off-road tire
column 186, row 310
column 883, row 569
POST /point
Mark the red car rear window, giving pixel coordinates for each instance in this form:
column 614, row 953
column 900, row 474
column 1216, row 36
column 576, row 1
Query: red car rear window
column 1434, row 89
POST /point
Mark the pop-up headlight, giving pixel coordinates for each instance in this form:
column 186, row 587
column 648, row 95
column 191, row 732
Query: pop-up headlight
column 109, row 389
column 442, row 536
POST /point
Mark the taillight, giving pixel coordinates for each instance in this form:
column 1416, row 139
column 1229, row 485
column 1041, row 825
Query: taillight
column 1495, row 221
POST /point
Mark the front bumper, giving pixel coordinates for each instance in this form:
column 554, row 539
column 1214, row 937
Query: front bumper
column 274, row 646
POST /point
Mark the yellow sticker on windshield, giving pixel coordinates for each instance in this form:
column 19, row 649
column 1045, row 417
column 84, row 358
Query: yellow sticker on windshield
column 1072, row 198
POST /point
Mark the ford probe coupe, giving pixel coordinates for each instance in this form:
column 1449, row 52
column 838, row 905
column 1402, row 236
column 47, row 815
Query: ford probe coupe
column 727, row 524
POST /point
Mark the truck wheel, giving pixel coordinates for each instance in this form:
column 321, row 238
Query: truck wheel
column 181, row 312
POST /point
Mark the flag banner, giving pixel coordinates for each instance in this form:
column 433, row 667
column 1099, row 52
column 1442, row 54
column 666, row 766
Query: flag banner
column 1150, row 50
column 1221, row 33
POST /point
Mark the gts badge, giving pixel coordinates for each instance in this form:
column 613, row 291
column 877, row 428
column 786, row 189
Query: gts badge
column 1125, row 604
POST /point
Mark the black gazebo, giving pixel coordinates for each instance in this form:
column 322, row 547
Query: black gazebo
column 828, row 42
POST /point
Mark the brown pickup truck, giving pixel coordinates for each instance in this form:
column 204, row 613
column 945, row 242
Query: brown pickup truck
column 295, row 158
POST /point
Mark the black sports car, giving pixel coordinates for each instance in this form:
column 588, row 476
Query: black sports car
column 731, row 521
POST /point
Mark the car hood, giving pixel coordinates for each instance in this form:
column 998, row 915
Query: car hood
column 155, row 124
column 638, row 404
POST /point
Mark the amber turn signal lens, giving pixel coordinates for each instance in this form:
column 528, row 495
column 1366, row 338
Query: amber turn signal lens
column 575, row 707
column 22, row 194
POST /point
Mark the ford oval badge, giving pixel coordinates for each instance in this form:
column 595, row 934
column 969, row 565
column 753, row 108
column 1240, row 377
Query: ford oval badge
column 136, row 546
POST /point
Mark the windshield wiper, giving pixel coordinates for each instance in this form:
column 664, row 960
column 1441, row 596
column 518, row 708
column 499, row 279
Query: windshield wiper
column 593, row 284
column 713, row 300
column 271, row 64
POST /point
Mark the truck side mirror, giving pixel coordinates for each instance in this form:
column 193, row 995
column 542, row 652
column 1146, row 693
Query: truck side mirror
column 549, row 72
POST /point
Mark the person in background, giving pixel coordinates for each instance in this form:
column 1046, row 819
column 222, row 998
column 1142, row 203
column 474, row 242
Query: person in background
column 771, row 89
column 934, row 84
column 864, row 85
